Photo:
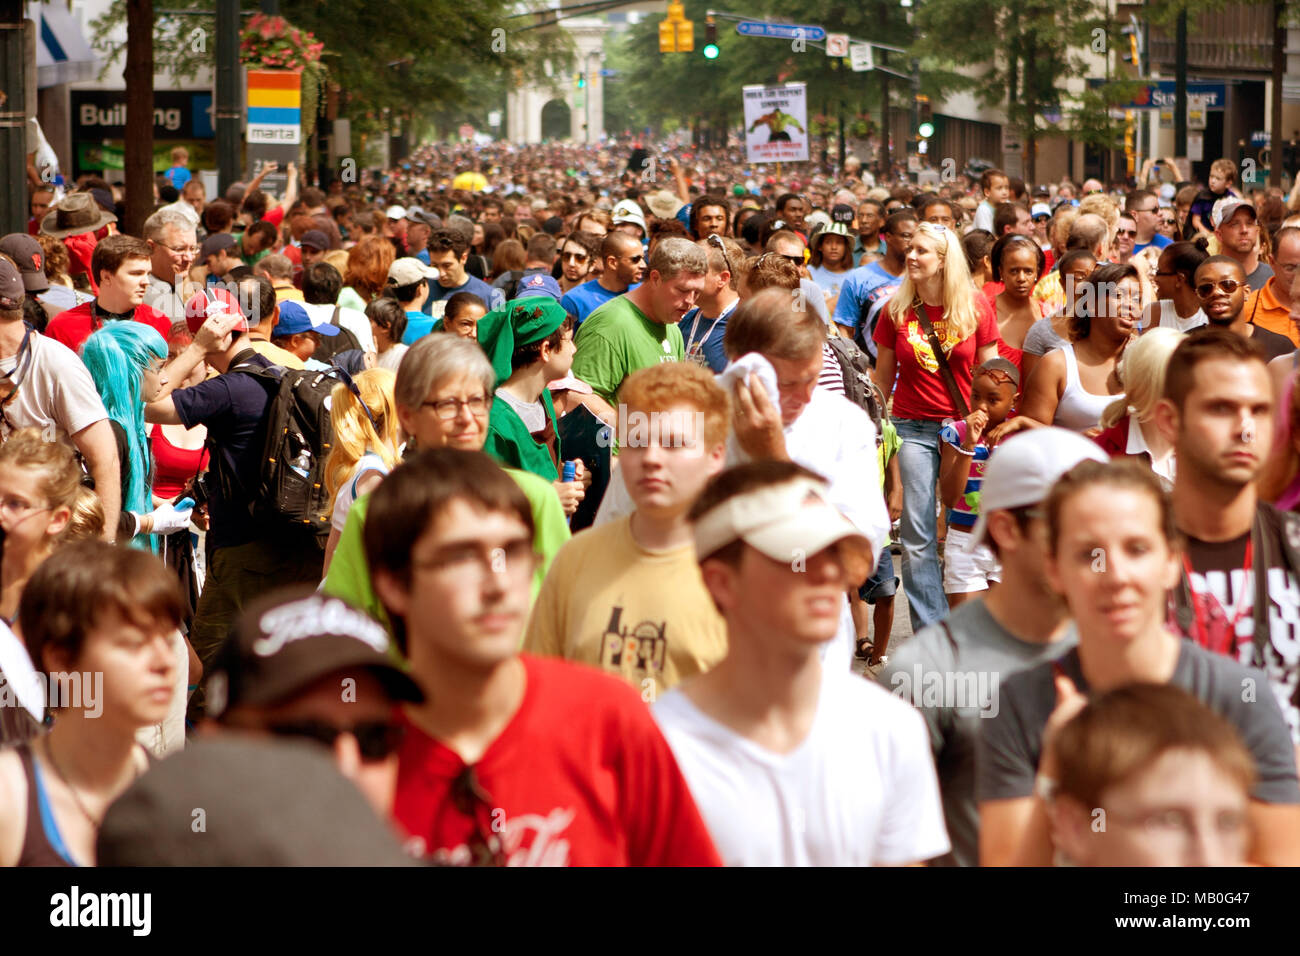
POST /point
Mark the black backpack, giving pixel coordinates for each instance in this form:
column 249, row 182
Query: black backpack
column 298, row 436
column 859, row 388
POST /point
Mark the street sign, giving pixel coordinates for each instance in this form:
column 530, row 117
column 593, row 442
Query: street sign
column 837, row 44
column 1011, row 141
column 494, row 118
column 1196, row 147
column 860, row 57
column 779, row 31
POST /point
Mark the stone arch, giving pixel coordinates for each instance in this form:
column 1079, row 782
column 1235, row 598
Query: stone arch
column 556, row 120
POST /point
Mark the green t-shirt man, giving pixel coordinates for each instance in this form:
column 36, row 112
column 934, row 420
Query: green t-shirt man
column 616, row 340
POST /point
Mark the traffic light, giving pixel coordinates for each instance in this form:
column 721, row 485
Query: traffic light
column 582, row 81
column 925, row 113
column 676, row 33
column 1134, row 33
column 711, row 50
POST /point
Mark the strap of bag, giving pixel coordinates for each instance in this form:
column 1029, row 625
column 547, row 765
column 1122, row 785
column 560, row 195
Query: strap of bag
column 334, row 319
column 945, row 370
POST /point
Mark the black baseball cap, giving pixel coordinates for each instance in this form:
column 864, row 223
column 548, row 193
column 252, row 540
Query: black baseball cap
column 288, row 640
column 28, row 255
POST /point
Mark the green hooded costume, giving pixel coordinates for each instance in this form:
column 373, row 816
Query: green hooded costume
column 516, row 324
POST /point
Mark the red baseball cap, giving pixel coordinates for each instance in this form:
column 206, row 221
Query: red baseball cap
column 203, row 305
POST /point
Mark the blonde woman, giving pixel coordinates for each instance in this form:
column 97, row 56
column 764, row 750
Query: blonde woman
column 1127, row 423
column 937, row 289
column 365, row 444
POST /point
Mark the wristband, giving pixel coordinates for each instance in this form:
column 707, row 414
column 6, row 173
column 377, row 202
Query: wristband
column 962, row 451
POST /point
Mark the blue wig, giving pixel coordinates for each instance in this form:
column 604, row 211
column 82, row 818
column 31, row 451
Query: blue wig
column 117, row 357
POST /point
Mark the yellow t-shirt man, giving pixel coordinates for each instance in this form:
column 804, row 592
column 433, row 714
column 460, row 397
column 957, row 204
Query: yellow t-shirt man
column 644, row 616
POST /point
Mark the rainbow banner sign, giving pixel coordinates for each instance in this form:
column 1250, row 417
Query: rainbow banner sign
column 274, row 107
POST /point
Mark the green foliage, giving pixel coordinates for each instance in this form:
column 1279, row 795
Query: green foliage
column 667, row 89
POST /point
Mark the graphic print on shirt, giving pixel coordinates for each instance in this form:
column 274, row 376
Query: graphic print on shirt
column 530, row 839
column 920, row 343
column 1225, row 595
column 639, row 650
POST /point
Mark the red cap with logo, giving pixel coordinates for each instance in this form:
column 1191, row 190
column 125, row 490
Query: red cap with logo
column 203, row 305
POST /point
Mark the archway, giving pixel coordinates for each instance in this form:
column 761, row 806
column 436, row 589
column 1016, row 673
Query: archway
column 556, row 120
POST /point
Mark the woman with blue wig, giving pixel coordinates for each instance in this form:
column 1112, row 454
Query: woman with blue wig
column 125, row 360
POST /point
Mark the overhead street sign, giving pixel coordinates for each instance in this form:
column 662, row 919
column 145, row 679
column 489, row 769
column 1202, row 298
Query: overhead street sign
column 837, row 44
column 780, row 31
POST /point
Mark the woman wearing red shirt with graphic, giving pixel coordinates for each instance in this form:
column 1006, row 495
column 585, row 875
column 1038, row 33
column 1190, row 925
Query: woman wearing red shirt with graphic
column 936, row 285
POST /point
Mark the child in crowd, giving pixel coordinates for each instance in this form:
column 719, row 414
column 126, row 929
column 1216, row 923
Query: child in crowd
column 995, row 389
column 1223, row 173
column 881, row 587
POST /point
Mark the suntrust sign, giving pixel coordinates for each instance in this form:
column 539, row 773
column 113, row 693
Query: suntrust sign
column 1162, row 95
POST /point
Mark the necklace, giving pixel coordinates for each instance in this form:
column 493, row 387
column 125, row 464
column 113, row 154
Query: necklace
column 49, row 750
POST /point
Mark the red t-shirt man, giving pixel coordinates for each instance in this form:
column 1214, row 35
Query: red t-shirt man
column 920, row 392
column 581, row 776
column 74, row 326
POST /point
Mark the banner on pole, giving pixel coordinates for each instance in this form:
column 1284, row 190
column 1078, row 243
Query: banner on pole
column 776, row 123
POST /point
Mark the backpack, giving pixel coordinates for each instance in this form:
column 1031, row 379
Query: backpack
column 298, row 437
column 859, row 388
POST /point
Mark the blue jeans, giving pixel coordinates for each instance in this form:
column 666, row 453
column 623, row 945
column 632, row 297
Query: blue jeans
column 918, row 462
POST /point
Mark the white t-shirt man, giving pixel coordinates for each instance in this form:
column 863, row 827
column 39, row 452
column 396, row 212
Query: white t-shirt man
column 350, row 319
column 1164, row 315
column 55, row 391
column 860, row 790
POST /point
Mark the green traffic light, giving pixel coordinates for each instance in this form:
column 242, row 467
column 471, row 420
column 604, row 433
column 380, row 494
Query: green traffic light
column 711, row 51
column 926, row 130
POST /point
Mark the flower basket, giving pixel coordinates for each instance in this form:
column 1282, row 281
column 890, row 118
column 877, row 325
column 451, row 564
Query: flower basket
column 272, row 43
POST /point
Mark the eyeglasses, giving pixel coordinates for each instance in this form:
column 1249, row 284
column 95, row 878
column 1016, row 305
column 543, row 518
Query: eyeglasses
column 1126, row 232
column 474, row 560
column 1148, row 209
column 1228, row 286
column 376, row 740
column 448, row 409
column 18, row 509
column 181, row 253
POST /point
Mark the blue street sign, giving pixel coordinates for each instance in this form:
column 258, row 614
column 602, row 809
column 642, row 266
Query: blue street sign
column 779, row 31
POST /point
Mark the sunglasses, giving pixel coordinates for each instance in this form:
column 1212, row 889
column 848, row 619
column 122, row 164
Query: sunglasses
column 716, row 240
column 1228, row 286
column 377, row 740
column 1126, row 232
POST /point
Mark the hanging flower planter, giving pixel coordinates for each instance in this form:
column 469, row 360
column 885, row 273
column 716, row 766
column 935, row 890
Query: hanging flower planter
column 273, row 44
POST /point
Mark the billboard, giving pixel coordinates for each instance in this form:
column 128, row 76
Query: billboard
column 776, row 124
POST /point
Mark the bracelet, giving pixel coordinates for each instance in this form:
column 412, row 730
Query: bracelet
column 962, row 451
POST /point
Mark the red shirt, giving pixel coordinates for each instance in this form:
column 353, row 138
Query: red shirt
column 920, row 393
column 73, row 327
column 581, row 776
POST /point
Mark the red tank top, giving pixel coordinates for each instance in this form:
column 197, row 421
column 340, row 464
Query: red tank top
column 174, row 466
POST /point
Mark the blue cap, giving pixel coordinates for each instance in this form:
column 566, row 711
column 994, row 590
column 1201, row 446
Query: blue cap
column 539, row 283
column 294, row 319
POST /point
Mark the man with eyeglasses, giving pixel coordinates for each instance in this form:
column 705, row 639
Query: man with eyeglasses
column 173, row 246
column 1221, row 286
column 1143, row 206
column 624, row 259
column 512, row 760
column 304, row 666
column 790, row 245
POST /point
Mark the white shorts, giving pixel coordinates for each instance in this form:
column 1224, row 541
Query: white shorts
column 963, row 571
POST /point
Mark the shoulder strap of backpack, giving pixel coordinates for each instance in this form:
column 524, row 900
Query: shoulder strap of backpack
column 334, row 319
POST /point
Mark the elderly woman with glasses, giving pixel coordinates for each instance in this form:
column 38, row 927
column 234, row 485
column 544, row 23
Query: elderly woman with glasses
column 443, row 395
column 932, row 334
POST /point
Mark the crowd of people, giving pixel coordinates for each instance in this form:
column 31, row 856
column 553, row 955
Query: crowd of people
column 545, row 499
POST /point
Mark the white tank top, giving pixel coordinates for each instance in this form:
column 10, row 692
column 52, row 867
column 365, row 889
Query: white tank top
column 1078, row 410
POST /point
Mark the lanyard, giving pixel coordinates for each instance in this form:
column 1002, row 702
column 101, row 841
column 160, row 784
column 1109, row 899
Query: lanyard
column 1200, row 602
column 698, row 347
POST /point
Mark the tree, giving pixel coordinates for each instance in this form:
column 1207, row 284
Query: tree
column 138, row 163
column 1016, row 54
